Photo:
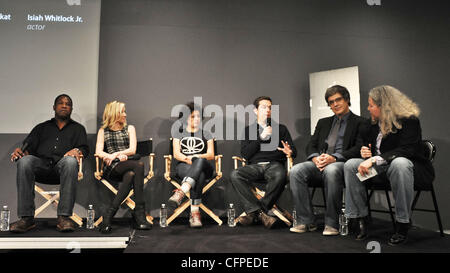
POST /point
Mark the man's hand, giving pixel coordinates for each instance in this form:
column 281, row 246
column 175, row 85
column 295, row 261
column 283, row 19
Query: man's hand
column 323, row 160
column 266, row 132
column 74, row 153
column 286, row 148
column 18, row 154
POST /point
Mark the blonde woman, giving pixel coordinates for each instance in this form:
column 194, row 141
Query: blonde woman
column 116, row 142
column 393, row 147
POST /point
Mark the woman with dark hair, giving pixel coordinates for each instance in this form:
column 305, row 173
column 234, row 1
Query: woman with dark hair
column 192, row 148
column 116, row 141
column 394, row 148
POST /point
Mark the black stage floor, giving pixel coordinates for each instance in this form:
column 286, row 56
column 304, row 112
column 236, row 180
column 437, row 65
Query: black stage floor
column 211, row 238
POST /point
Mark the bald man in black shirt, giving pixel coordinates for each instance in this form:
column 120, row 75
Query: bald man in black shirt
column 51, row 152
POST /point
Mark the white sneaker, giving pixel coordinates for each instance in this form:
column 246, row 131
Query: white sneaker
column 303, row 228
column 195, row 220
column 330, row 231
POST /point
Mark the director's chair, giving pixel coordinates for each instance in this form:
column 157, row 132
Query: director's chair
column 171, row 176
column 52, row 197
column 259, row 193
column 143, row 149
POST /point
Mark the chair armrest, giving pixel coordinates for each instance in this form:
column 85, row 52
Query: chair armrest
column 80, row 169
column 168, row 162
column 218, row 159
column 98, row 167
column 290, row 163
column 236, row 159
column 151, row 159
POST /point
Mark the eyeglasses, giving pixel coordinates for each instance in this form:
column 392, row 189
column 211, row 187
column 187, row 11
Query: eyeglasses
column 338, row 100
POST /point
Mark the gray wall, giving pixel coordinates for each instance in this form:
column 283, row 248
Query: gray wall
column 156, row 54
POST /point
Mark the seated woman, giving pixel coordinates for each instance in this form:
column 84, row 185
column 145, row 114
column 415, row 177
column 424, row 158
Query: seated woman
column 394, row 149
column 116, row 141
column 192, row 149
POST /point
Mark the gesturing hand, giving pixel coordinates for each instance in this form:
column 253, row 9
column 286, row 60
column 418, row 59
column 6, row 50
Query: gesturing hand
column 286, row 148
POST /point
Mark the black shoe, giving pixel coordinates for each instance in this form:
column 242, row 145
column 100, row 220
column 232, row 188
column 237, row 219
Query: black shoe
column 248, row 219
column 401, row 234
column 23, row 225
column 140, row 219
column 105, row 226
column 267, row 220
column 363, row 232
column 397, row 239
column 65, row 224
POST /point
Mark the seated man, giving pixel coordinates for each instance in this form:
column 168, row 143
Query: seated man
column 334, row 141
column 263, row 164
column 52, row 150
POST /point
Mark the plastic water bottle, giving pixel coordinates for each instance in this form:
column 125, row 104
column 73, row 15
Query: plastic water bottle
column 294, row 218
column 231, row 216
column 343, row 224
column 5, row 214
column 90, row 218
column 163, row 216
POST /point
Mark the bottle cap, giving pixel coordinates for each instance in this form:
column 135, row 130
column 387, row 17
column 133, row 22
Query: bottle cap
column 163, row 205
column 5, row 207
column 231, row 205
column 90, row 206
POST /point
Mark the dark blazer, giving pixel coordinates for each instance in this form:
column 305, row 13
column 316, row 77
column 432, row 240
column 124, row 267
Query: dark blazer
column 406, row 142
column 352, row 143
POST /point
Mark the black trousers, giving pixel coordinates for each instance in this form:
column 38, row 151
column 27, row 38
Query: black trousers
column 273, row 174
column 200, row 171
column 131, row 173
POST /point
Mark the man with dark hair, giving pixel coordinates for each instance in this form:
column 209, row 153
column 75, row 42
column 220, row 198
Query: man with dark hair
column 51, row 152
column 334, row 141
column 262, row 164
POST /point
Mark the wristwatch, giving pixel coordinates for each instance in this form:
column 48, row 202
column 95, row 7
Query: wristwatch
column 373, row 160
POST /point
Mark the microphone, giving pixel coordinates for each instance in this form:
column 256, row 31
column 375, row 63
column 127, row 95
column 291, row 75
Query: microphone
column 324, row 149
column 269, row 122
column 24, row 147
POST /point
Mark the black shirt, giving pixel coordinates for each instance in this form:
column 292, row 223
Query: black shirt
column 48, row 142
column 251, row 149
column 194, row 143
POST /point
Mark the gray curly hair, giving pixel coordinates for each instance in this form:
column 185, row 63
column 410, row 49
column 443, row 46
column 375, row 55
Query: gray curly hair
column 394, row 105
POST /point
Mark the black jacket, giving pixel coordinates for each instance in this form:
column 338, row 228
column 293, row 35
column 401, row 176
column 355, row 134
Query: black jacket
column 352, row 143
column 406, row 142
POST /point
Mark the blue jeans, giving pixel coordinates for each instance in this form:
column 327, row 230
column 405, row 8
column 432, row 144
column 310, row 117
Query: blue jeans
column 302, row 175
column 400, row 173
column 28, row 167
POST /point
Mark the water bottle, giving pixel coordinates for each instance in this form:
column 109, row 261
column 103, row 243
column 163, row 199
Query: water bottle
column 231, row 216
column 5, row 214
column 163, row 216
column 294, row 218
column 90, row 218
column 343, row 224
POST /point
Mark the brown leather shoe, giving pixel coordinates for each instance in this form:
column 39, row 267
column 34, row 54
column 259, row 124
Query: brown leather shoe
column 65, row 224
column 267, row 220
column 248, row 219
column 23, row 225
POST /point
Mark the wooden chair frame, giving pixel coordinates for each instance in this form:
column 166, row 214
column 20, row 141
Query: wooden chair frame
column 260, row 193
column 52, row 197
column 186, row 204
column 128, row 201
